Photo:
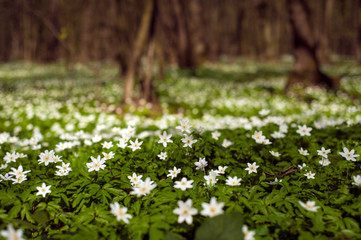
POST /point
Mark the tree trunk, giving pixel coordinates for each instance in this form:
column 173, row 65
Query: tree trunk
column 53, row 45
column 323, row 52
column 306, row 70
column 196, row 31
column 358, row 37
column 185, row 53
column 147, row 85
column 142, row 37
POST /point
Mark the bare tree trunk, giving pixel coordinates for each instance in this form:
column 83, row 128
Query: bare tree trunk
column 26, row 33
column 53, row 45
column 358, row 37
column 323, row 52
column 266, row 23
column 140, row 42
column 160, row 61
column 86, row 33
column 147, row 83
column 147, row 80
column 196, row 31
column 185, row 51
column 306, row 70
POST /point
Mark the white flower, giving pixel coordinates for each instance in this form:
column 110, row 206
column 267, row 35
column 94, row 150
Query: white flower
column 162, row 155
column 221, row 170
column 324, row 162
column 188, row 141
column 233, row 181
column 201, row 164
column 310, row 175
column 96, row 138
column 173, row 173
column 64, row 167
column 213, row 208
column 266, row 142
column 184, row 126
column 18, row 172
column 164, row 139
column 11, row 157
column 125, row 138
column 310, row 206
column 248, row 235
column 323, row 152
column 46, row 157
column 135, row 145
column 56, row 159
column 135, row 179
column 19, row 179
column 5, row 177
column 258, row 137
column 277, row 135
column 304, row 130
column 264, row 112
column 120, row 213
column 144, row 188
column 352, row 109
column 252, row 168
column 349, row 155
column 96, row 164
column 21, row 155
column 302, row 166
column 226, row 143
column 43, row 190
column 183, row 184
column 303, row 152
column 122, row 144
column 357, row 180
column 107, row 145
column 276, row 154
column 211, row 178
column 88, row 142
column 276, row 181
column 216, row 135
column 185, row 211
column 12, row 234
column 61, row 173
column 284, row 128
column 108, row 156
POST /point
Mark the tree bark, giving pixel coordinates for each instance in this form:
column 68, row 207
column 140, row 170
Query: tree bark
column 323, row 51
column 196, row 31
column 147, row 86
column 147, row 82
column 358, row 37
column 306, row 70
column 140, row 42
column 185, row 50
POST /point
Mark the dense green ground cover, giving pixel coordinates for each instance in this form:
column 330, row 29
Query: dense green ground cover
column 237, row 115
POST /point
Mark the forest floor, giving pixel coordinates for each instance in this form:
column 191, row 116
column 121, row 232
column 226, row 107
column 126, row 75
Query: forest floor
column 230, row 155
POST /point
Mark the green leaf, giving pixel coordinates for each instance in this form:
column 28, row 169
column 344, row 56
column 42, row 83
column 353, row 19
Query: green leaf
column 156, row 233
column 351, row 223
column 77, row 200
column 65, row 199
column 173, row 236
column 14, row 211
column 223, row 227
column 93, row 188
column 318, row 224
column 116, row 192
column 41, row 217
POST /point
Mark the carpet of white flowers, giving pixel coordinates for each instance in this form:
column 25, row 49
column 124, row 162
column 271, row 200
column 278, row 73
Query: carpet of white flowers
column 230, row 157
